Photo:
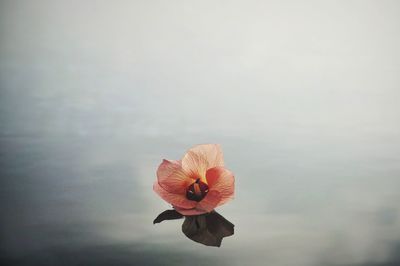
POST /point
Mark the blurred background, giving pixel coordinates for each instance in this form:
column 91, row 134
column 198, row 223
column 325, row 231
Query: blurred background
column 303, row 96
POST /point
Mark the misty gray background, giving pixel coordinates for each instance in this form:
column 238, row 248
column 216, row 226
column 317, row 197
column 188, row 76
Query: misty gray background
column 303, row 96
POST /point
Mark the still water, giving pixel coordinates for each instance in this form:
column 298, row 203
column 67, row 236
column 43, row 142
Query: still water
column 302, row 96
column 89, row 200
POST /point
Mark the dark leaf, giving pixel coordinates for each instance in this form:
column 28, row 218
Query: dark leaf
column 219, row 226
column 167, row 215
column 208, row 229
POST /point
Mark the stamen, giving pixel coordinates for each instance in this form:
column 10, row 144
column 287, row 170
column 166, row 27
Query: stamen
column 197, row 190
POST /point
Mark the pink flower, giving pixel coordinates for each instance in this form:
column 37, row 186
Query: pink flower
column 198, row 183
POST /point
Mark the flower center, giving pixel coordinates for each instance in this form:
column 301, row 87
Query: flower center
column 197, row 190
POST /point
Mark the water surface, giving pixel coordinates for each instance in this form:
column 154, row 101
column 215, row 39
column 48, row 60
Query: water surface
column 302, row 96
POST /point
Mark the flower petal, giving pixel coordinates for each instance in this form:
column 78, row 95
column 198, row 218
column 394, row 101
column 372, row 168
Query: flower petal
column 206, row 205
column 178, row 200
column 221, row 180
column 172, row 178
column 210, row 201
column 189, row 212
column 200, row 158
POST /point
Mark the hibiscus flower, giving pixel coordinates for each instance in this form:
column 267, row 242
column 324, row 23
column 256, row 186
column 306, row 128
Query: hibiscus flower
column 196, row 184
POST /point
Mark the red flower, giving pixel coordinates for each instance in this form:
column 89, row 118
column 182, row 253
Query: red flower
column 198, row 183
